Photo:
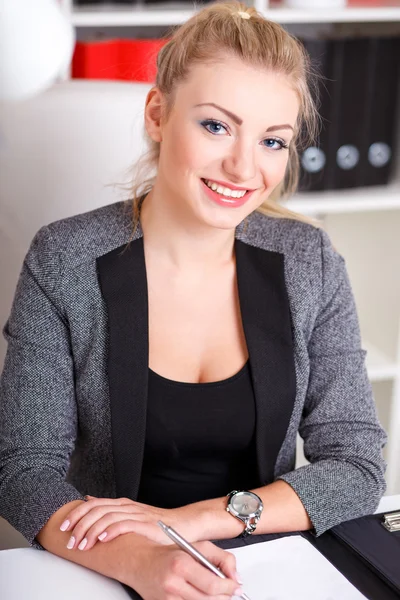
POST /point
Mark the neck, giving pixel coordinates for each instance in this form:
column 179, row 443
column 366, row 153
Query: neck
column 181, row 243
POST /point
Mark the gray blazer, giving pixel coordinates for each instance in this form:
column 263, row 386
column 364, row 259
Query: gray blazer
column 74, row 385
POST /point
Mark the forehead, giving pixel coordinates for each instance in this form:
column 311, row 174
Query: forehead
column 251, row 93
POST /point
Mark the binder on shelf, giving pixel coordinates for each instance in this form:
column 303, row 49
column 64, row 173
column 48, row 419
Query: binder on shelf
column 126, row 60
column 359, row 97
column 350, row 112
column 384, row 69
column 315, row 160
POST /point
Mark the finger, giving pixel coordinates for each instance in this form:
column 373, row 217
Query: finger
column 189, row 592
column 202, row 579
column 148, row 529
column 228, row 566
column 80, row 528
column 211, row 585
column 119, row 501
column 80, row 511
column 99, row 528
column 224, row 560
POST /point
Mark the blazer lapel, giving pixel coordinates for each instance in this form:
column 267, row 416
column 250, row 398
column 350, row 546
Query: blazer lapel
column 122, row 276
column 267, row 326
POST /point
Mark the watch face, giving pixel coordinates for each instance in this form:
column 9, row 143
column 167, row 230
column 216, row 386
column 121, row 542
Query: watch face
column 245, row 504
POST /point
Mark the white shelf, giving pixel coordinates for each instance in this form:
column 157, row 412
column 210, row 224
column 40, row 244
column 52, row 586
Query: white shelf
column 175, row 13
column 333, row 15
column 363, row 199
column 379, row 366
column 121, row 16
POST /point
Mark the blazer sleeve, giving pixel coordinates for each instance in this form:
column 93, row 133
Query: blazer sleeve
column 37, row 401
column 343, row 439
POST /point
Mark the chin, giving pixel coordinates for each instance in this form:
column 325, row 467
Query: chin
column 225, row 218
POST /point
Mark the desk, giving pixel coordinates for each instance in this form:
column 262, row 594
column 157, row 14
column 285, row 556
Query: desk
column 36, row 575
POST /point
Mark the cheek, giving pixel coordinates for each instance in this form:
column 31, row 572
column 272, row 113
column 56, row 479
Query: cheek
column 191, row 150
column 185, row 149
column 275, row 169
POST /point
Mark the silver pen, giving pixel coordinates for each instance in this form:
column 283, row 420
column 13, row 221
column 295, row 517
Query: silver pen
column 184, row 544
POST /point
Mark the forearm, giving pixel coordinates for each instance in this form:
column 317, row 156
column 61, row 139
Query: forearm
column 283, row 511
column 117, row 559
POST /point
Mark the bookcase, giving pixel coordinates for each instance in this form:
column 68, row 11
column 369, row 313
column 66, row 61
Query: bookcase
column 364, row 223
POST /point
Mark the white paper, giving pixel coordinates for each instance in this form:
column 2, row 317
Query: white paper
column 290, row 568
column 29, row 574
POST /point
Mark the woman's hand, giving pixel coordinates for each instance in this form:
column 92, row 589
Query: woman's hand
column 106, row 518
column 168, row 572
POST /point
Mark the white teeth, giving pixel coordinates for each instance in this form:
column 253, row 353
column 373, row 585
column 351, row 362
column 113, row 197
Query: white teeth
column 224, row 191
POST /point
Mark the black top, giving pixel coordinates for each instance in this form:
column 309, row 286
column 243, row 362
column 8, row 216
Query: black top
column 200, row 440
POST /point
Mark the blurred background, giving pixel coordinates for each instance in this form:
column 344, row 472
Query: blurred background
column 71, row 127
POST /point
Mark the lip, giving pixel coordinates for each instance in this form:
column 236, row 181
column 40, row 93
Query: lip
column 229, row 185
column 228, row 202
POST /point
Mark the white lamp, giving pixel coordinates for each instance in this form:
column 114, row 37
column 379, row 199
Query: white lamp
column 36, row 45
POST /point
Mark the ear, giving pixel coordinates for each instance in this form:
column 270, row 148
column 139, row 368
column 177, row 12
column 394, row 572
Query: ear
column 152, row 114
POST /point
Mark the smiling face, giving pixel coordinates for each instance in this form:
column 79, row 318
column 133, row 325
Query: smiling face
column 230, row 126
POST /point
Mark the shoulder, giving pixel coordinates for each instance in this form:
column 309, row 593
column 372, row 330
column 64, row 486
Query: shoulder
column 82, row 237
column 291, row 237
column 309, row 256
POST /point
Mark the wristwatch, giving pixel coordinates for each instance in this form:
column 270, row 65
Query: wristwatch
column 247, row 507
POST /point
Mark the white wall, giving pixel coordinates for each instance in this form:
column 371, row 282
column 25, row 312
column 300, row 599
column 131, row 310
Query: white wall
column 58, row 151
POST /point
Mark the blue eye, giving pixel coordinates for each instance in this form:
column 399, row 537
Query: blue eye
column 215, row 127
column 212, row 123
column 281, row 144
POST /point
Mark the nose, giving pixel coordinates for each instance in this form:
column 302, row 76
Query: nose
column 241, row 162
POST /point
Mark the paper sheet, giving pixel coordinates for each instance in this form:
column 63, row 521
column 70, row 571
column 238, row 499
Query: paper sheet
column 290, row 568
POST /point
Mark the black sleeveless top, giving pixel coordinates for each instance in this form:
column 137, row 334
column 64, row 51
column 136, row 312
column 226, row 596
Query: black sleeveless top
column 200, row 440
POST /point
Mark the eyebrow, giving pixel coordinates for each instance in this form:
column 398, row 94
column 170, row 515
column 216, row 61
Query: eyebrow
column 239, row 121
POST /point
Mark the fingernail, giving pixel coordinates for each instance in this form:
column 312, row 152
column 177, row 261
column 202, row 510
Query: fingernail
column 82, row 544
column 102, row 536
column 238, row 592
column 237, row 577
column 71, row 543
column 64, row 526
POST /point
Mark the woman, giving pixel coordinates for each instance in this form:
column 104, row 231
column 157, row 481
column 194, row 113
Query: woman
column 163, row 374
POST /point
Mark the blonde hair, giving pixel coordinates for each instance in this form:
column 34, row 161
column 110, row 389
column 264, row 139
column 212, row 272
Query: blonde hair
column 222, row 28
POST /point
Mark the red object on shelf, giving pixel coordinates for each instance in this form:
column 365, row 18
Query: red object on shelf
column 126, row 60
column 373, row 3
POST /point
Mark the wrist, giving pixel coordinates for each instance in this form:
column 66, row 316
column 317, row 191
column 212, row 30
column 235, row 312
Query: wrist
column 133, row 552
column 216, row 523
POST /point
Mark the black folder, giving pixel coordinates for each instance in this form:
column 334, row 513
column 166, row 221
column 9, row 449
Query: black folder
column 362, row 550
column 366, row 553
column 359, row 99
column 316, row 160
column 384, row 70
column 351, row 72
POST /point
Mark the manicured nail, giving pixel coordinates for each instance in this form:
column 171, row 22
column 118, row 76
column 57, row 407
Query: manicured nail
column 82, row 544
column 237, row 577
column 238, row 592
column 71, row 543
column 102, row 536
column 65, row 525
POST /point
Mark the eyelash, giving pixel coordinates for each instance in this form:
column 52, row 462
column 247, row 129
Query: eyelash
column 282, row 143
